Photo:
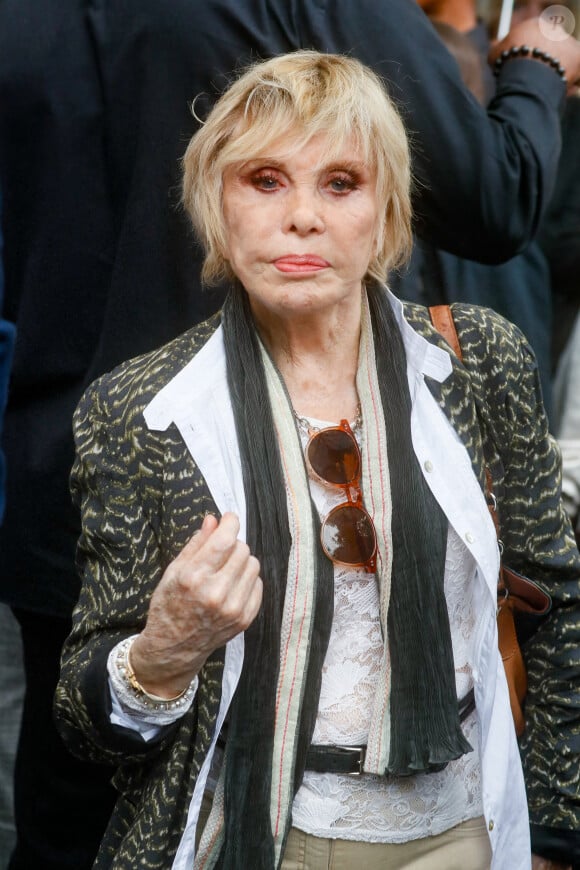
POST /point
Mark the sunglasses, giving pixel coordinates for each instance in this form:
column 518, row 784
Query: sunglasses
column 348, row 533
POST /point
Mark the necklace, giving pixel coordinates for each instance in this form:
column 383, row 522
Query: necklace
column 308, row 429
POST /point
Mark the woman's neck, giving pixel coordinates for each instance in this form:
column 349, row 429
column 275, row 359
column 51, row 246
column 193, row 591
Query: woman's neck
column 318, row 360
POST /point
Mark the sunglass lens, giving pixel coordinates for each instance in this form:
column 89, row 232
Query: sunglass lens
column 348, row 535
column 333, row 455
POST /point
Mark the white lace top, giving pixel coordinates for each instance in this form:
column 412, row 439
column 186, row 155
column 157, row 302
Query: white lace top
column 385, row 809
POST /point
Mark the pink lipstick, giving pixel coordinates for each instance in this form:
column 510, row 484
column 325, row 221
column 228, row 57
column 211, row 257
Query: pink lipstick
column 299, row 263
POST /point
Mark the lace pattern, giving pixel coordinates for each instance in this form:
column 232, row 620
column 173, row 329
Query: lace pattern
column 384, row 809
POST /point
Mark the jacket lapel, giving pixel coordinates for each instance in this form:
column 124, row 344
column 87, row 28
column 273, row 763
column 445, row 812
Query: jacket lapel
column 454, row 395
column 197, row 401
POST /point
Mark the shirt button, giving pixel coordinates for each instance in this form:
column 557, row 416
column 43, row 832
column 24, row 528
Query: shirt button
column 491, row 825
column 469, row 538
column 428, row 466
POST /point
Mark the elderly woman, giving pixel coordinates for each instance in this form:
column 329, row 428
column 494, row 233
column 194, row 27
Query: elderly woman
column 286, row 548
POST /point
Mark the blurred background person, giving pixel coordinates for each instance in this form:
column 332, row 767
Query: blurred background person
column 567, row 423
column 559, row 238
column 12, row 683
column 519, row 289
column 465, row 18
column 560, row 241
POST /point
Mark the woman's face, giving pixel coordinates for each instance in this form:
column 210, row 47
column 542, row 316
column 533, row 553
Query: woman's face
column 301, row 229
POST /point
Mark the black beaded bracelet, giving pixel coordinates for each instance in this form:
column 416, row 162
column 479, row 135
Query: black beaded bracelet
column 526, row 51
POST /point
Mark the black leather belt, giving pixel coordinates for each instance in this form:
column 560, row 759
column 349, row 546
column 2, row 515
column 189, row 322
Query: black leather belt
column 336, row 759
column 350, row 759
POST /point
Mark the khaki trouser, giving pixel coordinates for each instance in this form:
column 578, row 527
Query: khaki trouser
column 465, row 847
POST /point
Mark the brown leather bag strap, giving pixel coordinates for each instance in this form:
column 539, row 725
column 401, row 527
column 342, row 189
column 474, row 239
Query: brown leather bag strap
column 442, row 320
column 521, row 592
column 509, row 647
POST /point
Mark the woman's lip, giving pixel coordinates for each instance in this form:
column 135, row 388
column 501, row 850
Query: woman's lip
column 300, row 263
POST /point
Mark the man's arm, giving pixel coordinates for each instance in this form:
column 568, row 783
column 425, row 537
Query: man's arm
column 483, row 178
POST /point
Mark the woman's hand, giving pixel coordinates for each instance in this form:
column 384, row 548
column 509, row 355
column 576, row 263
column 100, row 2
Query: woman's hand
column 545, row 864
column 207, row 595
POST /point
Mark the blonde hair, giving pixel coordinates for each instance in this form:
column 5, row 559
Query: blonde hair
column 300, row 95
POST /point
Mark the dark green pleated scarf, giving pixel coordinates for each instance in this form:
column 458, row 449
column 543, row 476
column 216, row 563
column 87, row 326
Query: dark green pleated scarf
column 425, row 728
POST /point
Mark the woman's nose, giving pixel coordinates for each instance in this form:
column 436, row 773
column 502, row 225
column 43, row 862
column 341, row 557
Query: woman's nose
column 304, row 213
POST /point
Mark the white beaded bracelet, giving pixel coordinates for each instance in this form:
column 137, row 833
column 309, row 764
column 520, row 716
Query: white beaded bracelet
column 141, row 696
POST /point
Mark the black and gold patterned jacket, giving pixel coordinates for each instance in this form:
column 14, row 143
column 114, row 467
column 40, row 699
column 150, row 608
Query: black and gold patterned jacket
column 142, row 497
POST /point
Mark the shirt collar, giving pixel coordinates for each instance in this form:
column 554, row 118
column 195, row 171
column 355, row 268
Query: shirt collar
column 203, row 377
column 424, row 357
column 206, row 372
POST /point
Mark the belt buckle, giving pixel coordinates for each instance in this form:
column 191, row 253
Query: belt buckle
column 362, row 750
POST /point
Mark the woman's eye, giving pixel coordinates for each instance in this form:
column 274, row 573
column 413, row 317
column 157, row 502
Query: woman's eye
column 342, row 183
column 265, row 182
